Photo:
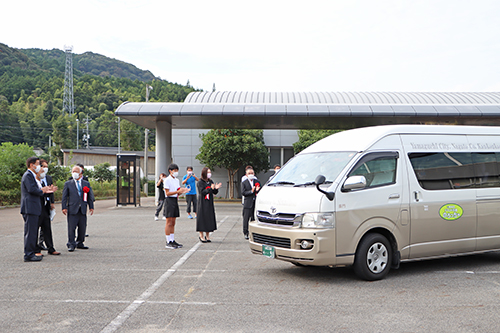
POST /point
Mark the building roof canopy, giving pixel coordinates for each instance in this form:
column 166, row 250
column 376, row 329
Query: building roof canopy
column 296, row 110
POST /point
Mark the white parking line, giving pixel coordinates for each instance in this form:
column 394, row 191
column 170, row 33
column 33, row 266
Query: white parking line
column 125, row 314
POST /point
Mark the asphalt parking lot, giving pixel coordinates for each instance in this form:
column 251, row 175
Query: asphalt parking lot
column 128, row 282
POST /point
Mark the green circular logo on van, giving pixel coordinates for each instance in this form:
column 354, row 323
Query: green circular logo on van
column 451, row 212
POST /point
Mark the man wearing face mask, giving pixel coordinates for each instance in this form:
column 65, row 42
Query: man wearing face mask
column 31, row 207
column 47, row 206
column 76, row 197
column 249, row 189
column 189, row 181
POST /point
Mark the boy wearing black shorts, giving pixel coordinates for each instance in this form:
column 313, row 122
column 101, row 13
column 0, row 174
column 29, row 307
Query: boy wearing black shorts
column 172, row 189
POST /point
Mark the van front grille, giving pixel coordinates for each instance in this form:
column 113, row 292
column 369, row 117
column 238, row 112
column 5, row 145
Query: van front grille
column 279, row 218
column 271, row 240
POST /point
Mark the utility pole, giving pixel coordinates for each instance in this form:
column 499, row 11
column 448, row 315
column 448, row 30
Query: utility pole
column 118, row 135
column 86, row 136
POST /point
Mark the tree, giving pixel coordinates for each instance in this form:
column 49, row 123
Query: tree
column 131, row 136
column 308, row 137
column 232, row 149
column 13, row 164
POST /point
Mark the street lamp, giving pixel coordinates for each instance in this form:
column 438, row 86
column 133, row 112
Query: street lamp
column 77, row 121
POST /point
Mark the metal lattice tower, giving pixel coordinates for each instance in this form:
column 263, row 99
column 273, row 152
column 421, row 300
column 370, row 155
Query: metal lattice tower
column 68, row 82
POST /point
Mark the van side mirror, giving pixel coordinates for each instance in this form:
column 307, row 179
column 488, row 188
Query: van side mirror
column 320, row 179
column 354, row 183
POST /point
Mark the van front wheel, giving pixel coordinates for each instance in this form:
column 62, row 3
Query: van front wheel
column 373, row 258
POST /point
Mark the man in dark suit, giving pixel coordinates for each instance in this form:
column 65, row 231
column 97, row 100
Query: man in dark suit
column 47, row 206
column 31, row 207
column 249, row 189
column 84, row 178
column 77, row 195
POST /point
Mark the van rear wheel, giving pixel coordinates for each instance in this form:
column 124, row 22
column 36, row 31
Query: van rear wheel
column 373, row 258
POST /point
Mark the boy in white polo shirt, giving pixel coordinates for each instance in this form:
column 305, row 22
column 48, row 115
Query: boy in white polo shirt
column 172, row 189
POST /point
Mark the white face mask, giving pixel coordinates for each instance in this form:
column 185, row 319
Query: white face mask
column 42, row 175
column 45, row 170
column 37, row 168
column 251, row 177
column 209, row 175
column 175, row 174
column 75, row 175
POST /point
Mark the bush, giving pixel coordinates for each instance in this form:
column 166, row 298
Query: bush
column 13, row 164
column 10, row 197
column 102, row 173
column 151, row 188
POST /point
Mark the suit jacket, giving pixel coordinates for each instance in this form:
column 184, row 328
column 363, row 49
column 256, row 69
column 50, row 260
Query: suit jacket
column 49, row 181
column 30, row 195
column 246, row 191
column 72, row 201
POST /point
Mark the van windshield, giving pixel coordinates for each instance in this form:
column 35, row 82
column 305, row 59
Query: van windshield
column 303, row 169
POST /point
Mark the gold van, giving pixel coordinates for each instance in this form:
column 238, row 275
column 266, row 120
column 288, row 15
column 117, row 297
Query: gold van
column 377, row 196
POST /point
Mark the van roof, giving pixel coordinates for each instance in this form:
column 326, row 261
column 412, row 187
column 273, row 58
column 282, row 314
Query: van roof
column 360, row 139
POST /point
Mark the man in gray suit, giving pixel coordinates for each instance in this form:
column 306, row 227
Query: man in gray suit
column 31, row 207
column 77, row 195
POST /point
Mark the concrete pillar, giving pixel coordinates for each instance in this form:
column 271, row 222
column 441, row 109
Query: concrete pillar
column 163, row 154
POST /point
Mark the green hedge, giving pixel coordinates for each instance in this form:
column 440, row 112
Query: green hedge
column 101, row 190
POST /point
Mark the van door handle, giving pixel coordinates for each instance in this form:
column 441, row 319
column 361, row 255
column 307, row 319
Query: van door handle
column 417, row 195
column 394, row 196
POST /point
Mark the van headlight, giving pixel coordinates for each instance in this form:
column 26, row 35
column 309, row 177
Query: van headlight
column 318, row 220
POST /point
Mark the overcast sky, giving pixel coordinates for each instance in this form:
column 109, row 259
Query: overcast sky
column 331, row 45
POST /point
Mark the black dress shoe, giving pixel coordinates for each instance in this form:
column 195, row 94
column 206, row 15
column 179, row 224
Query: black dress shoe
column 71, row 248
column 202, row 240
column 34, row 258
column 82, row 247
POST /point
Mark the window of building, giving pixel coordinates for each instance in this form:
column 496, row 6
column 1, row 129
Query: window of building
column 279, row 156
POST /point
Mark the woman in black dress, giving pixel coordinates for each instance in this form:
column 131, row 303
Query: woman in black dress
column 205, row 219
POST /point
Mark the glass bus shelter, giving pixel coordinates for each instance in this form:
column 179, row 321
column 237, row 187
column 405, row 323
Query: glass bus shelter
column 128, row 182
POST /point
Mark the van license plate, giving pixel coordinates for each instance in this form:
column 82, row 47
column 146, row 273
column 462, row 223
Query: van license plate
column 268, row 251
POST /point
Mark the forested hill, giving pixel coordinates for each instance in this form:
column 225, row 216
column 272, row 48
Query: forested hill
column 32, row 89
column 55, row 60
column 87, row 63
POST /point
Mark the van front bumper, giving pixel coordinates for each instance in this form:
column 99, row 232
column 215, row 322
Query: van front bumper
column 287, row 243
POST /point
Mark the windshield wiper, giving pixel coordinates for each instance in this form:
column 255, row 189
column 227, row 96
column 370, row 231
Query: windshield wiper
column 305, row 184
column 282, row 183
column 313, row 183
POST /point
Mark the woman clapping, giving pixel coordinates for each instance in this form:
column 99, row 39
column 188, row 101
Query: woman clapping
column 205, row 221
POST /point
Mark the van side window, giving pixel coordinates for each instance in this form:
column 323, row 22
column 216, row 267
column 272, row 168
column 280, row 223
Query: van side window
column 487, row 169
column 446, row 171
column 377, row 168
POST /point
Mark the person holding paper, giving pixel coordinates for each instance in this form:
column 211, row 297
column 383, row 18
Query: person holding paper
column 31, row 207
column 76, row 197
column 47, row 207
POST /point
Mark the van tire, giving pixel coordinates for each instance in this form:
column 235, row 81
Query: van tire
column 373, row 257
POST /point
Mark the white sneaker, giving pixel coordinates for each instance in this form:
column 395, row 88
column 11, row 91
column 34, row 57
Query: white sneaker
column 156, row 218
column 163, row 218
